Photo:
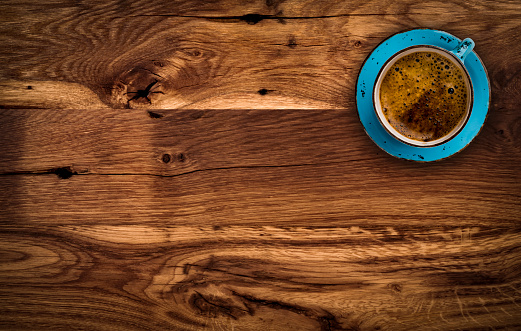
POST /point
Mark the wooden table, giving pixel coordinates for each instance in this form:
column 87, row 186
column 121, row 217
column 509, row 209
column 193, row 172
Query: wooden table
column 245, row 195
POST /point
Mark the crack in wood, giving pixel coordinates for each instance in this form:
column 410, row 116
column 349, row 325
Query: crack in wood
column 255, row 18
column 86, row 172
column 62, row 172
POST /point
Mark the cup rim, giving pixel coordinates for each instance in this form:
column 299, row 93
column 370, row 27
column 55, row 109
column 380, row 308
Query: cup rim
column 378, row 109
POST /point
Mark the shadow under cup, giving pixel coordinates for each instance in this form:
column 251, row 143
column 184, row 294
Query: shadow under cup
column 423, row 95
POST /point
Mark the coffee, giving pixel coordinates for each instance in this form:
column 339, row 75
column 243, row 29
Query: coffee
column 424, row 96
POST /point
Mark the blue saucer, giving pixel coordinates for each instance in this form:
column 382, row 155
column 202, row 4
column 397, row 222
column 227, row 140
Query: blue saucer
column 364, row 96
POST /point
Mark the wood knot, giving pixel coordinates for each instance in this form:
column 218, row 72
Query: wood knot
column 252, row 18
column 143, row 94
column 151, row 114
column 215, row 306
column 169, row 158
column 197, row 115
column 196, row 54
column 64, row 172
column 396, row 288
column 292, row 42
column 357, row 44
column 166, row 158
column 137, row 87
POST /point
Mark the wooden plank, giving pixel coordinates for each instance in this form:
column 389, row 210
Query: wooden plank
column 174, row 142
column 202, row 277
column 310, row 196
column 243, row 167
column 298, row 55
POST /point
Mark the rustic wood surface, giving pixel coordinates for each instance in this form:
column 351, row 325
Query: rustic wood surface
column 245, row 195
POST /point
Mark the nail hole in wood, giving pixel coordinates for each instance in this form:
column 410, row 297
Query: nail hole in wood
column 166, row 158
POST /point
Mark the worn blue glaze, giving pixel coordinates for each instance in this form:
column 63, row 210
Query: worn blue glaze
column 463, row 49
column 369, row 73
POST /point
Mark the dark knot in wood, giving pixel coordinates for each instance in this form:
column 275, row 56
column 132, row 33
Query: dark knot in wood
column 145, row 93
column 64, row 172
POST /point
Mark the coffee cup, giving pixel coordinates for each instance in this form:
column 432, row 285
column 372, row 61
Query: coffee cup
column 423, row 94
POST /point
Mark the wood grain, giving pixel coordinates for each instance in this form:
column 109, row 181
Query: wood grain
column 304, row 54
column 200, row 277
column 239, row 231
column 137, row 141
column 239, row 172
column 246, row 195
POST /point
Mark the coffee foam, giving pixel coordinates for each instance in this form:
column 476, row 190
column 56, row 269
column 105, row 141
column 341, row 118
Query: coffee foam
column 424, row 96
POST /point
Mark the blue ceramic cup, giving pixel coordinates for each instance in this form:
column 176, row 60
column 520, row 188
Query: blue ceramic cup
column 457, row 57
